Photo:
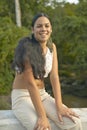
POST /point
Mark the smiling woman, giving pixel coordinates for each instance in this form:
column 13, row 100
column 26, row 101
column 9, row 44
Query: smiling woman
column 42, row 30
column 36, row 58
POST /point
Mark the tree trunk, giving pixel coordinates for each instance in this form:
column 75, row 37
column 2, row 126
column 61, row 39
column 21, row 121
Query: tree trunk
column 18, row 13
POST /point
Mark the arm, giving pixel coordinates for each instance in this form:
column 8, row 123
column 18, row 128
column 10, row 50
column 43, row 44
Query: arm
column 42, row 121
column 34, row 92
column 54, row 78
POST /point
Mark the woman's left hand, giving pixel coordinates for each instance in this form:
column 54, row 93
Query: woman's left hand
column 63, row 110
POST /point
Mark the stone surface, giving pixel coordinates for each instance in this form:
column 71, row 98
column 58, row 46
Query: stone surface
column 9, row 122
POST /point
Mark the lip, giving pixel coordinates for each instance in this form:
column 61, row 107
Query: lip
column 44, row 34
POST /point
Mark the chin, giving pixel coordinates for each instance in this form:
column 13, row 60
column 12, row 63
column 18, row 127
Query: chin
column 43, row 41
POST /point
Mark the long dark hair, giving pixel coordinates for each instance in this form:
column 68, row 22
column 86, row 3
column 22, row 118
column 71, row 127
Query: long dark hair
column 29, row 51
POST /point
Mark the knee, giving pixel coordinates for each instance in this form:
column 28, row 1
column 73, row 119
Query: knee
column 78, row 124
column 70, row 125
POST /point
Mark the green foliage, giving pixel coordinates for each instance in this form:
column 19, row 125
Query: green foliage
column 30, row 8
column 9, row 36
column 69, row 22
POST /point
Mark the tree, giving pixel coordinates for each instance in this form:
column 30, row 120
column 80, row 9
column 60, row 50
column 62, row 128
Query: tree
column 82, row 0
column 18, row 13
column 9, row 37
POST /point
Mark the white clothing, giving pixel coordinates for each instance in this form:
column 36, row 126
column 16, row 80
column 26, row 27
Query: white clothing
column 48, row 62
column 24, row 110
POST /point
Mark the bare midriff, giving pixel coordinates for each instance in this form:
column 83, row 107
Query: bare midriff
column 20, row 83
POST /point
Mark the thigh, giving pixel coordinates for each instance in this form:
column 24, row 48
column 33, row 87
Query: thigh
column 53, row 125
column 24, row 110
column 50, row 108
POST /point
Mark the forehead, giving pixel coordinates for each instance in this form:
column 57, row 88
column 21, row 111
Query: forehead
column 42, row 20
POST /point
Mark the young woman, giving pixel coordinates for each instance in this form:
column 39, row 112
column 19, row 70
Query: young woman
column 35, row 58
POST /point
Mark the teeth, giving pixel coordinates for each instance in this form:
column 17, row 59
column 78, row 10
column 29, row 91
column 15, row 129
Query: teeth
column 43, row 34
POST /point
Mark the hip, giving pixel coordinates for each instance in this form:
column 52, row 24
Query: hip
column 22, row 94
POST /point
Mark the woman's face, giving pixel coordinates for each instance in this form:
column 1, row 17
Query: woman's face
column 42, row 29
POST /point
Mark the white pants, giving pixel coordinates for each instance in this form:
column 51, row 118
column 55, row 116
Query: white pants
column 24, row 110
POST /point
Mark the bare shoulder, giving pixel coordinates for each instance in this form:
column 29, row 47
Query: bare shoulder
column 54, row 47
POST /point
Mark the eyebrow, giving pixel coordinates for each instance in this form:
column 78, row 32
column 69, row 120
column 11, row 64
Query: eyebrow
column 42, row 24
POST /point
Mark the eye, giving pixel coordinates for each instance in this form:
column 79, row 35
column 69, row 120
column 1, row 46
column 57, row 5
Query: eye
column 39, row 26
column 47, row 25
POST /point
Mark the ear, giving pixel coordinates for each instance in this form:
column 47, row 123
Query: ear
column 51, row 30
column 32, row 29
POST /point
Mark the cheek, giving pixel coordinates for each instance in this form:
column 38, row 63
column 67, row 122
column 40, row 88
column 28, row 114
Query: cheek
column 36, row 31
column 36, row 34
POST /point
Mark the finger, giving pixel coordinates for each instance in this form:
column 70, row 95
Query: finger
column 49, row 128
column 71, row 117
column 46, row 129
column 60, row 118
column 40, row 128
column 75, row 114
column 37, row 127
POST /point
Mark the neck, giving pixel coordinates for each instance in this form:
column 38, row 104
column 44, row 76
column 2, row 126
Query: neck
column 44, row 47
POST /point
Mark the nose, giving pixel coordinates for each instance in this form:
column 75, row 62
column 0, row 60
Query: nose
column 43, row 28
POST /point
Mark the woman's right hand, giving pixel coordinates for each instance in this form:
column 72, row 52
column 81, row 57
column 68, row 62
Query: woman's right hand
column 42, row 124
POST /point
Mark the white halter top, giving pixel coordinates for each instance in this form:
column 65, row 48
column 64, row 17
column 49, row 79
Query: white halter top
column 48, row 62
